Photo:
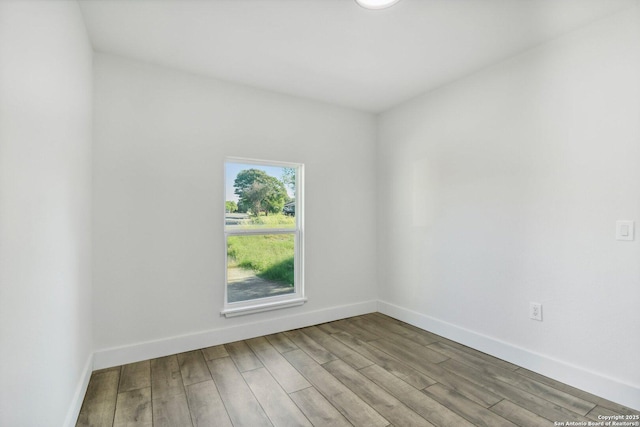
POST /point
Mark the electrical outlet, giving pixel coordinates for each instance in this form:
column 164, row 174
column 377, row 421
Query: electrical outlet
column 535, row 311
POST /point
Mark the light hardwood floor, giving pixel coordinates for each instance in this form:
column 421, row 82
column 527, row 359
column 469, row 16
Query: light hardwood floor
column 368, row 370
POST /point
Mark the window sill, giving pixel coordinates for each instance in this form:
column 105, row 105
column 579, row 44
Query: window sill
column 257, row 308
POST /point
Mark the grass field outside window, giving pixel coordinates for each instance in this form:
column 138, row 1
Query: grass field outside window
column 270, row 256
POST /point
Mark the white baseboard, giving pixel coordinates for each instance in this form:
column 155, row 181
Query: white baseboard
column 592, row 382
column 151, row 349
column 78, row 396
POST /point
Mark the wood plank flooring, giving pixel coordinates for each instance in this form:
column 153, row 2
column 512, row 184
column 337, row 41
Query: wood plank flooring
column 367, row 370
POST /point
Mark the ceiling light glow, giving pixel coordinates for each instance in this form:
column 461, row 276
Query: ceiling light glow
column 376, row 4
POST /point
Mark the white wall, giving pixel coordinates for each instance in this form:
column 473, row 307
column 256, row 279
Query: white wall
column 45, row 212
column 504, row 188
column 160, row 139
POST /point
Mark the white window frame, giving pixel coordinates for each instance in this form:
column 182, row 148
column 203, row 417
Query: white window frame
column 295, row 298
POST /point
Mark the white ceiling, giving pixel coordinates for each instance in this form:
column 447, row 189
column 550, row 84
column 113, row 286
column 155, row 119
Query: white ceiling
column 334, row 50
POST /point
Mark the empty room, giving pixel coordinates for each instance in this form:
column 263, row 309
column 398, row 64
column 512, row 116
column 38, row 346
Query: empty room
column 319, row 213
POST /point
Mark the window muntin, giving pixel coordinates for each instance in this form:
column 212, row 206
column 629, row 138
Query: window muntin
column 263, row 235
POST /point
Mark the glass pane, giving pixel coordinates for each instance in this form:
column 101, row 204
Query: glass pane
column 259, row 196
column 260, row 266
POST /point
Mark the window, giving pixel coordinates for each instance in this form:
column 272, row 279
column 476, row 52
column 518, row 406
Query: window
column 263, row 236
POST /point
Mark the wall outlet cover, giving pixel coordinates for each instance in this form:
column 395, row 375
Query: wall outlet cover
column 535, row 311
